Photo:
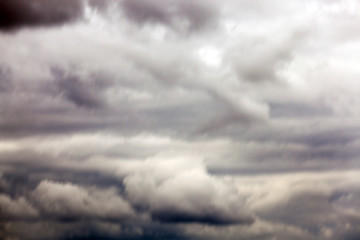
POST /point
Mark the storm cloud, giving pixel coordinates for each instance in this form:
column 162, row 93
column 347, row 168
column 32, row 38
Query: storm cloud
column 19, row 13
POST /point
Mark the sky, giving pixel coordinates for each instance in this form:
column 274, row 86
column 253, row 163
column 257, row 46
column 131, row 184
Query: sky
column 179, row 119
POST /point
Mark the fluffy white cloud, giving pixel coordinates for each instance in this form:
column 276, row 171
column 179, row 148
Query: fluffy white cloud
column 173, row 193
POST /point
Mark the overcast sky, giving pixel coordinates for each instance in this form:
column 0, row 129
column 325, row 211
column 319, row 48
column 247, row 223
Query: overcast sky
column 179, row 119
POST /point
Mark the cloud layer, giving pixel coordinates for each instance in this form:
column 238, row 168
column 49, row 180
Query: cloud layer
column 129, row 119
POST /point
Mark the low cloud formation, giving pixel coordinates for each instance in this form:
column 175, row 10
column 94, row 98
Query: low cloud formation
column 68, row 201
column 16, row 208
column 186, row 196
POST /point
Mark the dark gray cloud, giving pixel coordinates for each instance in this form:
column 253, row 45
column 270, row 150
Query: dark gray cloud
column 319, row 212
column 20, row 13
column 179, row 15
column 298, row 110
column 5, row 83
column 82, row 94
column 169, row 216
column 90, row 230
column 182, row 15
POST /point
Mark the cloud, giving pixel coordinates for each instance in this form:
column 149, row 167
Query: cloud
column 312, row 204
column 174, row 119
column 82, row 94
column 69, row 201
column 264, row 57
column 188, row 195
column 20, row 13
column 180, row 15
column 20, row 208
column 260, row 230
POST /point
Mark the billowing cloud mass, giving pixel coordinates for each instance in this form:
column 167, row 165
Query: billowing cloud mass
column 179, row 119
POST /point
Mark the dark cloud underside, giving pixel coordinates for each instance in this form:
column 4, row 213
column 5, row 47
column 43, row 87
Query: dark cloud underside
column 20, row 13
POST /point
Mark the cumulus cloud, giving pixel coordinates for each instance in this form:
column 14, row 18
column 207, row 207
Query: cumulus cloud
column 69, row 201
column 188, row 195
column 16, row 208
